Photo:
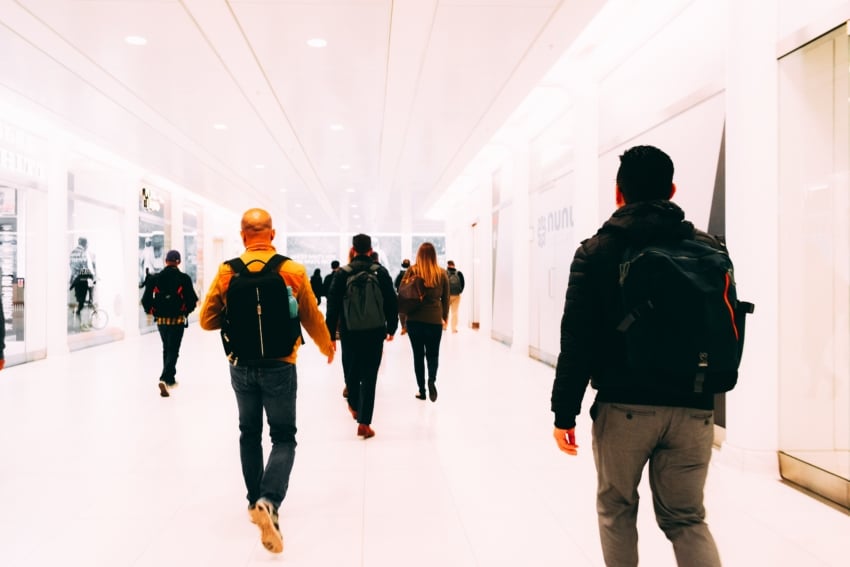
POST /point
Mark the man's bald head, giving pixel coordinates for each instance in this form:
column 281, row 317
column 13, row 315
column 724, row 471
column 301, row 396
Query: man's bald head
column 256, row 220
column 257, row 226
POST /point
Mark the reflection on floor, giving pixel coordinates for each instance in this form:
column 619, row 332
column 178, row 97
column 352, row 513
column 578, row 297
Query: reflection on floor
column 98, row 470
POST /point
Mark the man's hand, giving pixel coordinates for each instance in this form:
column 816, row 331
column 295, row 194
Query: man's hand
column 566, row 439
column 390, row 337
column 333, row 350
column 2, row 363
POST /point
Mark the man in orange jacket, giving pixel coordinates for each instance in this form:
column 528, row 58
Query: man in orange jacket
column 268, row 383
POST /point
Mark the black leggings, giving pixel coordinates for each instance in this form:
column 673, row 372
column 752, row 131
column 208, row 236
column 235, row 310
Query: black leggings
column 425, row 341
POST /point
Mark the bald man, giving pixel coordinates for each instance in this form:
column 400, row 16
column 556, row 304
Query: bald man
column 269, row 384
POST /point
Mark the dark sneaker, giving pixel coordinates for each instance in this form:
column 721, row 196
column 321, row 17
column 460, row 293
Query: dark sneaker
column 264, row 515
column 163, row 389
column 432, row 391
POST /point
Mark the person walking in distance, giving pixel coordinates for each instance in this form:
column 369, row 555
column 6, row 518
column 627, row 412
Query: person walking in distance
column 316, row 284
column 363, row 305
column 456, row 285
column 260, row 300
column 170, row 297
column 425, row 325
column 633, row 421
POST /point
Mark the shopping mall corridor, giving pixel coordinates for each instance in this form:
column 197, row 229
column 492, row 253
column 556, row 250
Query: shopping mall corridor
column 97, row 470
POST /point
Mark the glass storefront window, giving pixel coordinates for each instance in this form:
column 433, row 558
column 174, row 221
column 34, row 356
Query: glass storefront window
column 814, row 271
column 153, row 244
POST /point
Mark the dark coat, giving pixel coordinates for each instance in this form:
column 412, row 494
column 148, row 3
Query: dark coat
column 591, row 348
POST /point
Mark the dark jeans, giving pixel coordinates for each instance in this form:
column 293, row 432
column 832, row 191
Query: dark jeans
column 361, row 357
column 274, row 390
column 425, row 341
column 172, row 336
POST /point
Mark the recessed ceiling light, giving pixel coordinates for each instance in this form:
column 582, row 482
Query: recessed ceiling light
column 308, row 216
column 220, row 126
column 317, row 42
column 345, row 166
column 136, row 40
column 297, row 205
column 283, row 189
column 355, row 216
column 337, row 127
column 350, row 190
column 353, row 205
column 260, row 166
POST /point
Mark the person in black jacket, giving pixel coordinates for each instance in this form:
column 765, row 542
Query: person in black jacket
column 633, row 424
column 363, row 349
column 170, row 296
column 317, row 285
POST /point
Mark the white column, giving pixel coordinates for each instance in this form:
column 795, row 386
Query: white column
column 56, row 301
column 520, row 181
column 752, row 225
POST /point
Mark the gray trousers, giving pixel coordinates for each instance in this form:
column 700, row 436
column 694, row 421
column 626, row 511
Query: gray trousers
column 677, row 444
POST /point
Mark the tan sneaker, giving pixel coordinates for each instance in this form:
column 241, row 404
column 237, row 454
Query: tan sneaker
column 265, row 516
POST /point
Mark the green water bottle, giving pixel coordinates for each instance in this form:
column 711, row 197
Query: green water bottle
column 293, row 303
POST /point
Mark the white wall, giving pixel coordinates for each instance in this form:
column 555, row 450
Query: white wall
column 711, row 60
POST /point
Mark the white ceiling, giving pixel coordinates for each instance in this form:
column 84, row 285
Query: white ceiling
column 418, row 86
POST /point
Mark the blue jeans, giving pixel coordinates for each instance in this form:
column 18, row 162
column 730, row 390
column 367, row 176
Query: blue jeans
column 272, row 389
column 677, row 444
column 172, row 336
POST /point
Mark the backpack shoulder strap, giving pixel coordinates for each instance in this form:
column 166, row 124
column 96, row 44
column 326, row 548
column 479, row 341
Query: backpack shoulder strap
column 236, row 264
column 274, row 262
column 374, row 268
column 347, row 268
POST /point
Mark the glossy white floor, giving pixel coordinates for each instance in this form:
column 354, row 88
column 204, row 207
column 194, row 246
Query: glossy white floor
column 97, row 470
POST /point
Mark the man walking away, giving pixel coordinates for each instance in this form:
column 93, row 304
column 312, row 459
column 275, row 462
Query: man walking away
column 363, row 305
column 170, row 296
column 634, row 420
column 326, row 285
column 456, row 285
column 259, row 301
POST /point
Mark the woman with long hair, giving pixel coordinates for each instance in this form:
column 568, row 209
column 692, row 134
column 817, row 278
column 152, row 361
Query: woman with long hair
column 425, row 325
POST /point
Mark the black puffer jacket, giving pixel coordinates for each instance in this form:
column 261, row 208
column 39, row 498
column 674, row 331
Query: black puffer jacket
column 591, row 348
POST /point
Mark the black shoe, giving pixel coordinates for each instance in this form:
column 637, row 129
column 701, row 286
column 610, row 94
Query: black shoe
column 432, row 391
column 420, row 396
column 163, row 389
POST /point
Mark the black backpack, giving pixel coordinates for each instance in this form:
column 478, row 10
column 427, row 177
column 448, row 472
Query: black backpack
column 684, row 324
column 169, row 296
column 363, row 303
column 261, row 314
column 454, row 283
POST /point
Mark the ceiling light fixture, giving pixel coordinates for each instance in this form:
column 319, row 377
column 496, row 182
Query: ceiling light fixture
column 350, row 190
column 317, row 42
column 337, row 127
column 260, row 166
column 136, row 40
column 297, row 205
column 345, row 166
column 220, row 126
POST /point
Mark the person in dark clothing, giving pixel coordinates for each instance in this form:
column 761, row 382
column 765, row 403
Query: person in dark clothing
column 172, row 316
column 362, row 350
column 633, row 424
column 83, row 286
column 425, row 325
column 326, row 285
column 405, row 264
column 317, row 285
column 456, row 285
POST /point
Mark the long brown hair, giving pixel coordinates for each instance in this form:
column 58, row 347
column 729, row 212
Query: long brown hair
column 426, row 265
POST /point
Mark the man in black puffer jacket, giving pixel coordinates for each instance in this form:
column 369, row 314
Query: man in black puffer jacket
column 633, row 424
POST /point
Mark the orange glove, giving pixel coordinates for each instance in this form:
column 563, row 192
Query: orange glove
column 566, row 439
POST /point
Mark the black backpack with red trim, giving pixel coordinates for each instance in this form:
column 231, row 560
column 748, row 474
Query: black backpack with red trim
column 684, row 324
